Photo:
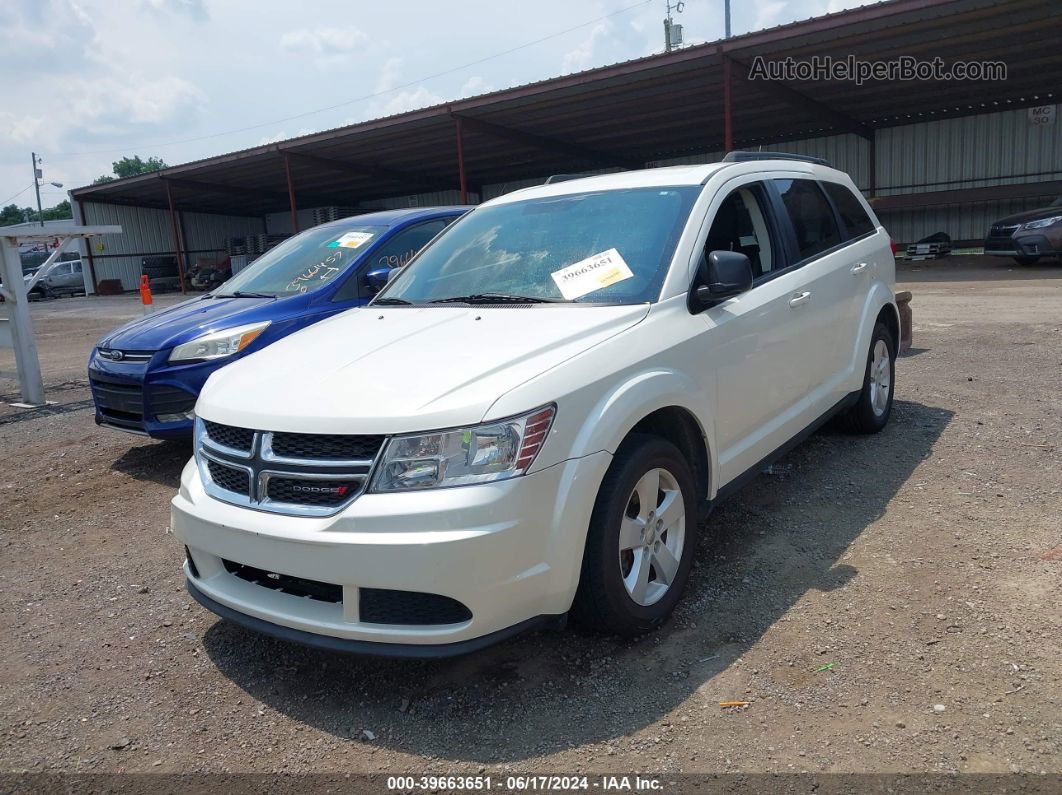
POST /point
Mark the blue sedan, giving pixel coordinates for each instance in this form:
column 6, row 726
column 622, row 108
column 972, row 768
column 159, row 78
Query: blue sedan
column 146, row 375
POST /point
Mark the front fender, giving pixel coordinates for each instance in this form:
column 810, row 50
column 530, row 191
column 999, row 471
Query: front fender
column 603, row 420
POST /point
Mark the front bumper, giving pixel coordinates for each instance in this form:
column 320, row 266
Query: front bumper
column 131, row 396
column 1022, row 245
column 509, row 551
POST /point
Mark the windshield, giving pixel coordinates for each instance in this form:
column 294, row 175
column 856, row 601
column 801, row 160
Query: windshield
column 304, row 262
column 609, row 246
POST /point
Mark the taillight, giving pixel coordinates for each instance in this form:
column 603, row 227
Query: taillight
column 893, row 246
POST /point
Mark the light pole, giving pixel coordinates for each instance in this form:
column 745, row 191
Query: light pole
column 672, row 30
column 37, row 174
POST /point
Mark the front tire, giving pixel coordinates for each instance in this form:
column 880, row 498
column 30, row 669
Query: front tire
column 639, row 547
column 871, row 411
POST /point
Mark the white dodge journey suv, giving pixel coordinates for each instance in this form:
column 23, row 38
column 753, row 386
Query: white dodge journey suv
column 531, row 418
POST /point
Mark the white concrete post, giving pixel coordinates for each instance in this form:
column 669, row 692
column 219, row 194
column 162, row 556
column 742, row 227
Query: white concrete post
column 29, row 367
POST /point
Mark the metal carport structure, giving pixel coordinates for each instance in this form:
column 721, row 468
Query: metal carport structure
column 693, row 100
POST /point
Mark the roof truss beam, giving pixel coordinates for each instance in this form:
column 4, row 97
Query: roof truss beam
column 547, row 143
column 366, row 170
column 797, row 99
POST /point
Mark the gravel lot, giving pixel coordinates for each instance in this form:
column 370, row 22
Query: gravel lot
column 885, row 604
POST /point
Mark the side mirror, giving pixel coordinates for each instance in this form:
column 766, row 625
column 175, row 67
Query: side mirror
column 378, row 278
column 393, row 274
column 723, row 274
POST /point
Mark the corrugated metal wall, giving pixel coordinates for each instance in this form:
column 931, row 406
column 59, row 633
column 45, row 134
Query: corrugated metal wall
column 969, row 152
column 146, row 230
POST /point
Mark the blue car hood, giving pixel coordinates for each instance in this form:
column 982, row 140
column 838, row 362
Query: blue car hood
column 187, row 320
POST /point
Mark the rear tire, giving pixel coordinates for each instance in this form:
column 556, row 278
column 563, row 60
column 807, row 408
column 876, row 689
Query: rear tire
column 1026, row 260
column 640, row 544
column 871, row 411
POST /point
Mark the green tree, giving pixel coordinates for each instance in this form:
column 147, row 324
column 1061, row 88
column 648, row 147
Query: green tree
column 130, row 167
column 58, row 212
column 11, row 215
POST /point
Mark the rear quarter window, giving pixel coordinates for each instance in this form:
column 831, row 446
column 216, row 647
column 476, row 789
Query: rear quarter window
column 855, row 219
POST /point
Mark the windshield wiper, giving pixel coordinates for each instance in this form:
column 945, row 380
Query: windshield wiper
column 392, row 302
column 241, row 294
column 497, row 298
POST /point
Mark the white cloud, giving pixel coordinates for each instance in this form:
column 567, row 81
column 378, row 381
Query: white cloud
column 582, row 57
column 411, row 99
column 475, row 85
column 328, row 47
column 196, row 9
column 283, row 136
column 767, row 15
column 113, row 103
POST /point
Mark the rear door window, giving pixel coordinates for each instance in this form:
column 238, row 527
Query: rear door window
column 814, row 226
column 854, row 218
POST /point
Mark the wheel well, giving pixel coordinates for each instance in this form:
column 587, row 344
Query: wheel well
column 889, row 316
column 679, row 427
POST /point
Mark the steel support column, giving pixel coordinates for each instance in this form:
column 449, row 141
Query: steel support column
column 176, row 237
column 872, row 166
column 291, row 196
column 728, row 121
column 20, row 325
column 462, row 179
column 88, row 248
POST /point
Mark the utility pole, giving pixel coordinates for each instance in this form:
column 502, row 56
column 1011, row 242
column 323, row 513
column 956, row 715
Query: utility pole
column 726, row 18
column 672, row 30
column 37, row 174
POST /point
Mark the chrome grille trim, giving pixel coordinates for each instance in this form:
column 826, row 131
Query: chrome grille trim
column 260, row 469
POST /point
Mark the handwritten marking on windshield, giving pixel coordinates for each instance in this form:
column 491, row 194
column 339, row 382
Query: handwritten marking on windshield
column 322, row 271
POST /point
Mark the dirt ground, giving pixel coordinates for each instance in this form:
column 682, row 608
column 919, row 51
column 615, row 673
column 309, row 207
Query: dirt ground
column 884, row 604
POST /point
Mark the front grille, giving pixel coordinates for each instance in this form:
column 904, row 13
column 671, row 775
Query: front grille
column 384, row 606
column 229, row 478
column 124, row 401
column 292, row 473
column 300, row 491
column 170, row 400
column 230, row 435
column 1003, row 230
column 125, row 357
column 293, row 586
column 319, row 447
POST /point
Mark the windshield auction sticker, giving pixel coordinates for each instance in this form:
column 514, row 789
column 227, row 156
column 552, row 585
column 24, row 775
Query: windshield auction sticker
column 593, row 273
column 351, row 240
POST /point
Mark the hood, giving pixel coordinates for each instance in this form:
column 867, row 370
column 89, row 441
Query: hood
column 384, row 370
column 187, row 320
column 1029, row 215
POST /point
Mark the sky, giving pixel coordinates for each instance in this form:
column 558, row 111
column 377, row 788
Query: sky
column 86, row 82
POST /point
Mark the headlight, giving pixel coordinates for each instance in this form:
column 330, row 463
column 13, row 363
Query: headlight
column 481, row 454
column 1042, row 223
column 218, row 344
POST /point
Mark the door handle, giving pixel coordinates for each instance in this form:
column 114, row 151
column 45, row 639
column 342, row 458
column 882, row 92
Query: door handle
column 799, row 298
column 862, row 266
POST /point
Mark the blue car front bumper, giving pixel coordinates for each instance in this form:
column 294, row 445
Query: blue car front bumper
column 147, row 396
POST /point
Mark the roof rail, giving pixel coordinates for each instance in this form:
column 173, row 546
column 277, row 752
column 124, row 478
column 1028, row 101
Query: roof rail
column 555, row 178
column 742, row 157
